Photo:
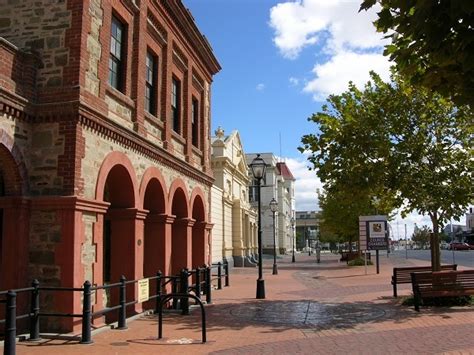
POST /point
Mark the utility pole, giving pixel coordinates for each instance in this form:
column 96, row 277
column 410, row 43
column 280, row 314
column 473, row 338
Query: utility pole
column 406, row 243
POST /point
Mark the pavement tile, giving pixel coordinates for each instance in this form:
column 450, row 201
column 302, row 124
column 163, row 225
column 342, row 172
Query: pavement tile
column 310, row 308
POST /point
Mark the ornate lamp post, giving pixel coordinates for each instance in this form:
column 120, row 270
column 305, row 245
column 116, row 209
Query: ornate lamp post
column 258, row 171
column 274, row 208
column 292, row 221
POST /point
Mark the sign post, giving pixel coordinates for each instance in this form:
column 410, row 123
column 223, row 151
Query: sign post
column 373, row 235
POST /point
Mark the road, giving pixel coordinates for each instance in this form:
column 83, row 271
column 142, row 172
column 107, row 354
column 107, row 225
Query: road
column 461, row 257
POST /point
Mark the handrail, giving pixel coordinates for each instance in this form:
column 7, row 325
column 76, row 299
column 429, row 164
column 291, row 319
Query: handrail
column 203, row 283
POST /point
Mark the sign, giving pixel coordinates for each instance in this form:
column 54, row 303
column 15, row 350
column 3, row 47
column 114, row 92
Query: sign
column 143, row 290
column 373, row 232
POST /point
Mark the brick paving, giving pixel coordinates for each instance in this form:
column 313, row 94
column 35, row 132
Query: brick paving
column 310, row 308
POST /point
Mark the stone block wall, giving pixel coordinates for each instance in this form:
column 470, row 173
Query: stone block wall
column 39, row 26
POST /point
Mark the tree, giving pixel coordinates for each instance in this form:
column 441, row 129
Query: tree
column 421, row 236
column 408, row 146
column 432, row 43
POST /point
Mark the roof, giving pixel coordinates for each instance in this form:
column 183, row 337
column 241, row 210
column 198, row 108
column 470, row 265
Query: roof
column 285, row 171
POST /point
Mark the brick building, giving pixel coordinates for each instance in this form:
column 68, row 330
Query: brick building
column 104, row 143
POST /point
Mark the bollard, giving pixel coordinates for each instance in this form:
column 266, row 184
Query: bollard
column 184, row 284
column 122, row 321
column 208, row 285
column 34, row 312
column 174, row 289
column 219, row 275
column 226, row 270
column 9, row 347
column 86, row 337
column 198, row 282
column 158, row 290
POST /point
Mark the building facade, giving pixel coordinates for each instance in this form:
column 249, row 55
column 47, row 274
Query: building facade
column 277, row 183
column 307, row 229
column 104, row 152
column 234, row 234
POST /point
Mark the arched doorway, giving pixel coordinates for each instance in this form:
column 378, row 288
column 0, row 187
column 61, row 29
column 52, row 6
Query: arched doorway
column 180, row 234
column 154, row 257
column 14, row 220
column 198, row 233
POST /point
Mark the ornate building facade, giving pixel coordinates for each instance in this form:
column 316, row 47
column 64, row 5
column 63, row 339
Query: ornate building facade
column 104, row 143
column 234, row 235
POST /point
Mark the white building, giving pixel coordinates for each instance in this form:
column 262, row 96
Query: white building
column 234, row 234
column 278, row 183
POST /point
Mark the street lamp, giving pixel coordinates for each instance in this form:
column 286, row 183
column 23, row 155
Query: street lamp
column 258, row 171
column 274, row 208
column 292, row 221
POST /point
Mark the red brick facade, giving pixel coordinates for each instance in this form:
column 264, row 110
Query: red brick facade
column 103, row 187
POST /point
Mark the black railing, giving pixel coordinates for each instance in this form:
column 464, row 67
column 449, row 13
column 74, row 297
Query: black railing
column 203, row 278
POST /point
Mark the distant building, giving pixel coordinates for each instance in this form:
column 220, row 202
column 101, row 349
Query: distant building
column 307, row 229
column 278, row 183
column 234, row 234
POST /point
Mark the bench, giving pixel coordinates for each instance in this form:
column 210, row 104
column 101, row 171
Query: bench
column 452, row 283
column 348, row 256
column 401, row 275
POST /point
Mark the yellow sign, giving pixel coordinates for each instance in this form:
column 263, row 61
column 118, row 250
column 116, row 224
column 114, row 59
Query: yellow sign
column 143, row 290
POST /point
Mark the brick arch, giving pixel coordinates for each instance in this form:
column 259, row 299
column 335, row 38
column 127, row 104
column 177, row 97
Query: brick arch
column 14, row 169
column 178, row 191
column 111, row 161
column 197, row 196
column 152, row 174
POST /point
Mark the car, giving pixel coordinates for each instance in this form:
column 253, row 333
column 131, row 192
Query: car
column 458, row 246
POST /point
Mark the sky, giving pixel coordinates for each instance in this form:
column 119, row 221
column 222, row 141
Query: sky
column 280, row 61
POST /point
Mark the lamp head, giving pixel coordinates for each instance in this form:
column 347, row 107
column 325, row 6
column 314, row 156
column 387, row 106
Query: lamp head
column 274, row 205
column 258, row 167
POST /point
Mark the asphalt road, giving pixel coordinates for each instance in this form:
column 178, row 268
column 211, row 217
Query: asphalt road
column 461, row 257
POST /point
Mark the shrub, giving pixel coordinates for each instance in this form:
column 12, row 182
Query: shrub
column 359, row 262
column 441, row 301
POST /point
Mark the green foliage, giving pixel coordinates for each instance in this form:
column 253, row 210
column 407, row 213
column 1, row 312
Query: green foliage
column 432, row 43
column 406, row 146
column 441, row 301
column 421, row 236
column 359, row 262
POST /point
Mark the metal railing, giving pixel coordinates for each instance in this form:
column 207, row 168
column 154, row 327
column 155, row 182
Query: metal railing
column 203, row 279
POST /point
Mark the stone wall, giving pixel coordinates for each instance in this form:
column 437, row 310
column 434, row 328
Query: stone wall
column 92, row 82
column 39, row 26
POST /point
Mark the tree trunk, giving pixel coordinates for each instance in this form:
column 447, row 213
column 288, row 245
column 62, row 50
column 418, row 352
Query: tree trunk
column 434, row 244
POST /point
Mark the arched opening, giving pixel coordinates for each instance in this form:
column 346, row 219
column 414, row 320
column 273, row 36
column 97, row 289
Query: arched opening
column 179, row 235
column 198, row 233
column 118, row 230
column 154, row 230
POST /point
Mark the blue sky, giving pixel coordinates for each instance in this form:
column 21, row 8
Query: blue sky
column 280, row 60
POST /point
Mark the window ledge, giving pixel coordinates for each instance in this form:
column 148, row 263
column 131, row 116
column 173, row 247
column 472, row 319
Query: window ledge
column 119, row 96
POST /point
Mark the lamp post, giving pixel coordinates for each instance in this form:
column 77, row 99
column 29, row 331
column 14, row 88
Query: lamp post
column 274, row 208
column 292, row 221
column 258, row 171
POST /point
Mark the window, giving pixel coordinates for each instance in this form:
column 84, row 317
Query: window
column 116, row 62
column 175, row 104
column 151, row 64
column 195, row 122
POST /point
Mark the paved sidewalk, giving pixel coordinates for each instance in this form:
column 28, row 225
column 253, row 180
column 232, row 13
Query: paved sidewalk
column 310, row 308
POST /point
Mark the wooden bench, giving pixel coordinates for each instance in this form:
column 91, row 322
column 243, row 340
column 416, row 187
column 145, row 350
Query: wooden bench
column 401, row 275
column 450, row 283
column 348, row 256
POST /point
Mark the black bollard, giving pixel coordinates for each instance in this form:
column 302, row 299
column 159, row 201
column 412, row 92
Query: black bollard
column 226, row 270
column 158, row 290
column 198, row 282
column 9, row 347
column 34, row 312
column 86, row 337
column 208, row 284
column 219, row 275
column 184, row 285
column 122, row 321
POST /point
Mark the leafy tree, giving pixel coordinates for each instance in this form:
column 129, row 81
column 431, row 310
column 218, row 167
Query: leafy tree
column 408, row 146
column 432, row 43
column 421, row 236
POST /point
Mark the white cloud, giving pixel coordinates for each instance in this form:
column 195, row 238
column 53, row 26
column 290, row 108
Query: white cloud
column 333, row 76
column 305, row 185
column 260, row 87
column 345, row 34
column 293, row 81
